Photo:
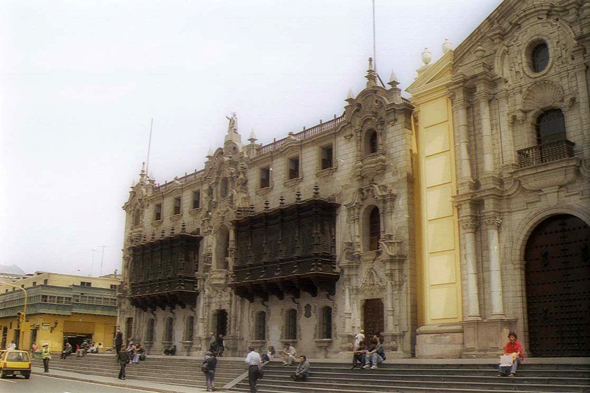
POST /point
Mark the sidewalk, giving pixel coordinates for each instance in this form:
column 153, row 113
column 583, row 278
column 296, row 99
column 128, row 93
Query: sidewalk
column 127, row 383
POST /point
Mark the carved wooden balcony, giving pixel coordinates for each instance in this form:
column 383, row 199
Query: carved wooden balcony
column 286, row 251
column 162, row 273
column 546, row 152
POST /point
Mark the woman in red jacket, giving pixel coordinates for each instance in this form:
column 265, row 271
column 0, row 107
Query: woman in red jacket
column 512, row 347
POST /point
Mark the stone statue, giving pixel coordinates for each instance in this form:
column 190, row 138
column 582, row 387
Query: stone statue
column 233, row 123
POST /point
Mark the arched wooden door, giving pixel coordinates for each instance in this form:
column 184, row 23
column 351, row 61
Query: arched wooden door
column 373, row 318
column 558, row 287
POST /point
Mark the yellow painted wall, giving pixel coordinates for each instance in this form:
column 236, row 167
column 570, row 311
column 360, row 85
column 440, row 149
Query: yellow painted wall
column 101, row 328
column 59, row 280
column 440, row 259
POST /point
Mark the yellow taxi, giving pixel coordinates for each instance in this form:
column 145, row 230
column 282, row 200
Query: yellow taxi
column 15, row 363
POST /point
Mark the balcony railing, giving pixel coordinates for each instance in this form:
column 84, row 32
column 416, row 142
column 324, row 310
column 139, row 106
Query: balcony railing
column 546, row 152
column 164, row 292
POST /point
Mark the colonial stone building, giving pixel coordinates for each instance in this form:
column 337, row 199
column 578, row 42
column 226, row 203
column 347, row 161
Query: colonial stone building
column 442, row 222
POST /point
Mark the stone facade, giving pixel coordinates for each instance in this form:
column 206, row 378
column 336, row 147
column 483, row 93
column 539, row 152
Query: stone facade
column 459, row 176
column 337, row 161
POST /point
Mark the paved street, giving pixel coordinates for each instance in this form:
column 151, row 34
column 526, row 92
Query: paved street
column 40, row 383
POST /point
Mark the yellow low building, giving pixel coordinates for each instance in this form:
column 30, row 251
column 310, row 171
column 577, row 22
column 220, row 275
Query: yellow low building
column 59, row 308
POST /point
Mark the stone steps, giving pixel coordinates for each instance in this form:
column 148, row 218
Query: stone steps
column 338, row 378
column 182, row 372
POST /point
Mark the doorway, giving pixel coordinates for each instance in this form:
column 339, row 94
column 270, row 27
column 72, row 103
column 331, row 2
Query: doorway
column 220, row 321
column 4, row 337
column 373, row 315
column 557, row 272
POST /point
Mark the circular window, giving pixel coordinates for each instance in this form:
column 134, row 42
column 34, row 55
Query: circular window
column 539, row 57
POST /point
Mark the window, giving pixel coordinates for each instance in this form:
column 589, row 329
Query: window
column 45, row 282
column 169, row 328
column 90, row 300
column 265, row 177
column 294, row 167
column 44, row 299
column 374, row 229
column 291, row 325
column 51, row 299
column 129, row 328
column 34, row 283
column 76, row 298
column 371, row 142
column 149, row 333
column 113, row 302
column 224, row 187
column 136, row 218
column 196, row 199
column 540, row 57
column 60, row 300
column 113, row 286
column 327, row 159
column 68, row 300
column 326, row 323
column 83, row 299
column 85, row 284
column 260, row 326
column 190, row 329
column 158, row 212
column 550, row 126
column 22, row 286
column 222, row 247
column 177, row 202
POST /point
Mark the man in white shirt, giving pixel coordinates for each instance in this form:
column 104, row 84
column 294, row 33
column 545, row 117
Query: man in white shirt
column 12, row 346
column 358, row 339
column 254, row 363
column 288, row 355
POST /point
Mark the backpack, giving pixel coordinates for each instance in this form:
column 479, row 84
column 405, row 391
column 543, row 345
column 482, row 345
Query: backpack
column 205, row 367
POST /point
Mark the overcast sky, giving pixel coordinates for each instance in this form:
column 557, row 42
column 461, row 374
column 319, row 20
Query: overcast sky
column 80, row 81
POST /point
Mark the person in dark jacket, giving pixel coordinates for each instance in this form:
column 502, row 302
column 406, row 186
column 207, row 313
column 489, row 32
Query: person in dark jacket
column 220, row 345
column 118, row 343
column 170, row 351
column 123, row 359
column 209, row 365
column 302, row 371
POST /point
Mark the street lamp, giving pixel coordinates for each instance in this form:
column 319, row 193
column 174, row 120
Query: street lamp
column 22, row 316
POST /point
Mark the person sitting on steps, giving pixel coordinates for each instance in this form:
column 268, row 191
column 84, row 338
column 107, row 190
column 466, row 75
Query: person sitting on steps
column 375, row 354
column 514, row 348
column 170, row 351
column 302, row 371
column 288, row 354
column 359, row 356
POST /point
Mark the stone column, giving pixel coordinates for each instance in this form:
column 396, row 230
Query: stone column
column 492, row 224
column 347, row 310
column 507, row 139
column 460, row 114
column 483, row 99
column 469, row 226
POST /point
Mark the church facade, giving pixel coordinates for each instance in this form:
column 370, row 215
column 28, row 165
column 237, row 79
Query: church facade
column 443, row 221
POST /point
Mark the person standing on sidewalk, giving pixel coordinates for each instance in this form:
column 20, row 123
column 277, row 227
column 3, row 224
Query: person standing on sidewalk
column 123, row 359
column 46, row 356
column 254, row 363
column 209, row 365
column 118, row 341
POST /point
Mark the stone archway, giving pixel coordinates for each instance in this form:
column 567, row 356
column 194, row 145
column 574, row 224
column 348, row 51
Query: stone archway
column 557, row 272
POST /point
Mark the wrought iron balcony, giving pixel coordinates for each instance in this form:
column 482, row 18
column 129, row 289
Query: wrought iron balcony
column 286, row 251
column 546, row 152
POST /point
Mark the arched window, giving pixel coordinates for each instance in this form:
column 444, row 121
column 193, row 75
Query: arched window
column 540, row 57
column 224, row 187
column 169, row 329
column 326, row 323
column 291, row 325
column 374, row 229
column 261, row 326
column 550, row 126
column 371, row 142
column 222, row 247
column 189, row 331
column 136, row 218
column 149, row 331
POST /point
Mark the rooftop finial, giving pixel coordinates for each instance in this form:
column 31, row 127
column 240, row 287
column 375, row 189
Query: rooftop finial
column 426, row 56
column 371, row 76
column 252, row 138
column 447, row 46
column 350, row 97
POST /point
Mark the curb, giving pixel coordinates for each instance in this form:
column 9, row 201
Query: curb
column 114, row 384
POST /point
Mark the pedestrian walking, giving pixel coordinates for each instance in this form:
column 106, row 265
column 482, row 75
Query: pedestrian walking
column 46, row 356
column 118, row 341
column 209, row 365
column 254, row 363
column 123, row 359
